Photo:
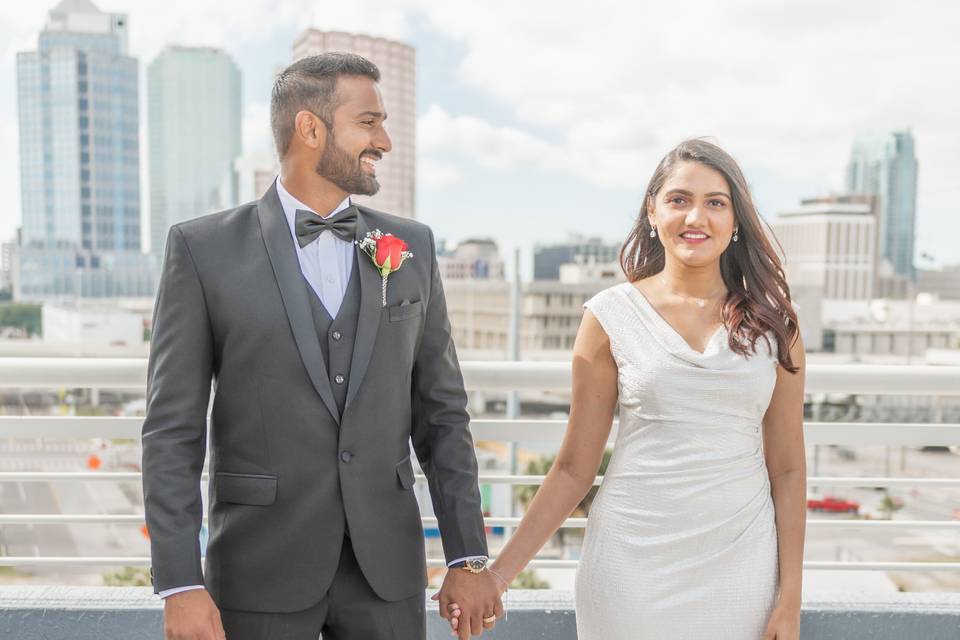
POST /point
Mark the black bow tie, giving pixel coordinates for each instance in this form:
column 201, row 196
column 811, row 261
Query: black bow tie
column 309, row 225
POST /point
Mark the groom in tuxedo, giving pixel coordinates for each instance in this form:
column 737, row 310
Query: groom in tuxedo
column 323, row 373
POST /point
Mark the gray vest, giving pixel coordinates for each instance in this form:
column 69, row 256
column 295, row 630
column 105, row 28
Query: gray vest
column 338, row 335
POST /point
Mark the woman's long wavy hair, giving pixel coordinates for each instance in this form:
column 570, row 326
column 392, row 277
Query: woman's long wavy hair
column 758, row 298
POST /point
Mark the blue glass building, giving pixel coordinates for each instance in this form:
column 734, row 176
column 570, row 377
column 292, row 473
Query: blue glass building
column 80, row 160
column 886, row 165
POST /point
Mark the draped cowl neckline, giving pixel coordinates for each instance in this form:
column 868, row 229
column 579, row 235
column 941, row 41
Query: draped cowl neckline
column 716, row 353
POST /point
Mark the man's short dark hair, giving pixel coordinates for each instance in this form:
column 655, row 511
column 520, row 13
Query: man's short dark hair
column 310, row 84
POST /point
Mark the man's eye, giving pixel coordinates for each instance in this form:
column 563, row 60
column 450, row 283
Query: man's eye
column 369, row 123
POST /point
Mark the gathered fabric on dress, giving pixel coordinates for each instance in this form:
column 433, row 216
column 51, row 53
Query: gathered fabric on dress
column 681, row 541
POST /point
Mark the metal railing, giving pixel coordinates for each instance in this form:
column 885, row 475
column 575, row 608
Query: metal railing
column 130, row 374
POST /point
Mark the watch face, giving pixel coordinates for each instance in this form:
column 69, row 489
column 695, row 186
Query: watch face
column 477, row 564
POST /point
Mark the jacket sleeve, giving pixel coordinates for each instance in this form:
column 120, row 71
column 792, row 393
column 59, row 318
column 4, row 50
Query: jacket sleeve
column 174, row 431
column 441, row 433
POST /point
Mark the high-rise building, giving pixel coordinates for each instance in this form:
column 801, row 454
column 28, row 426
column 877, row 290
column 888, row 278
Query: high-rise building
column 548, row 258
column 885, row 165
column 8, row 252
column 830, row 246
column 397, row 64
column 80, row 159
column 194, row 128
column 943, row 283
column 475, row 258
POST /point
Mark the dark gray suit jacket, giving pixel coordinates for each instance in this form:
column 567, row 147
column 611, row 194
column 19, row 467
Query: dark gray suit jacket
column 288, row 473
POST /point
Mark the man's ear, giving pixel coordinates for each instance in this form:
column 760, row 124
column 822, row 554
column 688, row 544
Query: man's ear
column 310, row 130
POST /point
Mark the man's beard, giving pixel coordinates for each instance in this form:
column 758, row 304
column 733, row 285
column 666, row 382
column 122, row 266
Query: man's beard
column 338, row 167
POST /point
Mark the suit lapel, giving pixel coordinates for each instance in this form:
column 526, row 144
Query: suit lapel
column 371, row 310
column 286, row 269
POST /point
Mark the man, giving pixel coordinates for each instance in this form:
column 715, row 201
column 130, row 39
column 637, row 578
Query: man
column 324, row 370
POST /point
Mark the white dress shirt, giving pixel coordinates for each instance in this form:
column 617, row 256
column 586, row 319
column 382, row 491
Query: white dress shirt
column 326, row 263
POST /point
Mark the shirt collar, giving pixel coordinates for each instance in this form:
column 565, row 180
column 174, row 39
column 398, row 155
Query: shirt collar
column 290, row 205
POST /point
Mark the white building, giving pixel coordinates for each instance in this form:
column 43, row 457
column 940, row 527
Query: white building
column 591, row 270
column 943, row 283
column 255, row 173
column 830, row 246
column 91, row 324
column 397, row 64
column 894, row 331
column 8, row 252
column 473, row 258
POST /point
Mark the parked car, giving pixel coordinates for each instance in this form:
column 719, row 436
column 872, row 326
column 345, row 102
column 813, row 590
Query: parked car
column 833, row 505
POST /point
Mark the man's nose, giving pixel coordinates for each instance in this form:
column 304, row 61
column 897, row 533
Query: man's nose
column 382, row 140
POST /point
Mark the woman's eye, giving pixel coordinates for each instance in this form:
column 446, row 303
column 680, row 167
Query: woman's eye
column 717, row 203
column 677, row 200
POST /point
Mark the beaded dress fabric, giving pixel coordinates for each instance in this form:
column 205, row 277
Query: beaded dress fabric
column 680, row 541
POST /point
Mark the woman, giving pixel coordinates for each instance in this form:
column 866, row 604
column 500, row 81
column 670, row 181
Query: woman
column 701, row 347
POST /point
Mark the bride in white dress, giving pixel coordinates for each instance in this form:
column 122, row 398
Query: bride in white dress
column 701, row 350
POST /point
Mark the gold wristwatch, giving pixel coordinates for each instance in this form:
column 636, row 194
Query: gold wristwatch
column 474, row 565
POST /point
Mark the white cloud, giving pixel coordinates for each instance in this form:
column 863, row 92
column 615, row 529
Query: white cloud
column 510, row 148
column 436, row 174
column 784, row 85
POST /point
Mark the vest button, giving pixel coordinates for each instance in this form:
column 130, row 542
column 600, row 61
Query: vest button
column 346, row 456
column 339, row 379
column 337, row 335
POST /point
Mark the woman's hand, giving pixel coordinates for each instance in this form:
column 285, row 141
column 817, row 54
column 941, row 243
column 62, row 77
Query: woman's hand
column 784, row 623
column 453, row 609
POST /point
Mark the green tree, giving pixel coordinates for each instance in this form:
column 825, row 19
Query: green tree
column 540, row 467
column 528, row 579
column 889, row 504
column 127, row 577
column 24, row 316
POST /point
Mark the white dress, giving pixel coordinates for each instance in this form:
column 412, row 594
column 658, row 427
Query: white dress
column 680, row 541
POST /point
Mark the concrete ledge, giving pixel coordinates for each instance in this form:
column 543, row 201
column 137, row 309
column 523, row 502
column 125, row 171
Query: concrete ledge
column 134, row 613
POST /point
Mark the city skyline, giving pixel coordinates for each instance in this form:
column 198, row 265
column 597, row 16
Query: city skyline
column 512, row 147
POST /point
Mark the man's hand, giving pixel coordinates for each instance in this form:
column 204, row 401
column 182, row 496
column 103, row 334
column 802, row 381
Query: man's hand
column 477, row 596
column 192, row 615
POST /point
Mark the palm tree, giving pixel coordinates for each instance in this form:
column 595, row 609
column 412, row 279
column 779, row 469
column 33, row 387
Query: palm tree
column 540, row 467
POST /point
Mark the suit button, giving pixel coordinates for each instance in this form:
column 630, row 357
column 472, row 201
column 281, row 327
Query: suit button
column 346, row 456
column 336, row 335
column 339, row 379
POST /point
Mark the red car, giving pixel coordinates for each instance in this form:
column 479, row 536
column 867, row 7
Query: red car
column 833, row 505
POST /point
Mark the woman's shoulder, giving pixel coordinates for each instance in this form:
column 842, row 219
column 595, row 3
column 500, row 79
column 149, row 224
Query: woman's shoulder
column 611, row 293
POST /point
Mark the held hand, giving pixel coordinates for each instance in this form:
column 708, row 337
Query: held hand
column 465, row 599
column 192, row 615
column 453, row 609
column 784, row 623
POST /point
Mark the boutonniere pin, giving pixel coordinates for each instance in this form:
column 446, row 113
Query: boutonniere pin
column 387, row 252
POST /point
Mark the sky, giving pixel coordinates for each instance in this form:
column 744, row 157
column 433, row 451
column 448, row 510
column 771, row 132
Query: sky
column 538, row 119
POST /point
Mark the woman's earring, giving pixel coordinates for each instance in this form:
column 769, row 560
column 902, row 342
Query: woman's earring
column 653, row 232
column 735, row 232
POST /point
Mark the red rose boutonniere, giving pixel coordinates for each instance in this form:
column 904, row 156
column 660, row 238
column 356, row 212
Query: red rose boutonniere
column 387, row 252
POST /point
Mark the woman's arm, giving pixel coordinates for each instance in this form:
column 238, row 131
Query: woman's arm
column 786, row 464
column 571, row 476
